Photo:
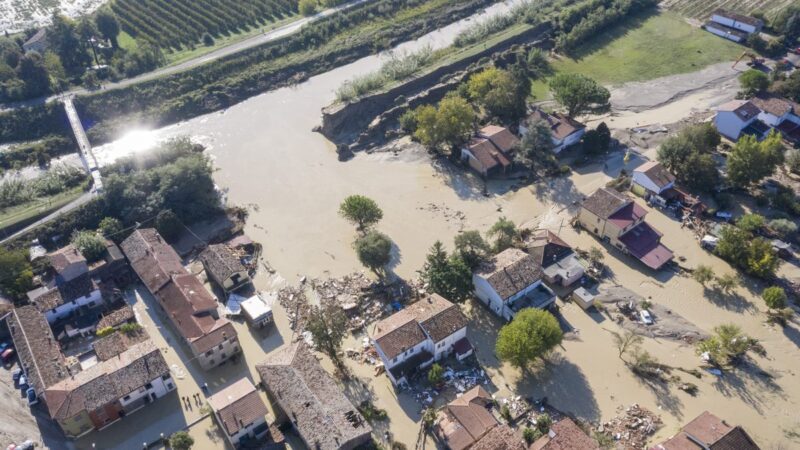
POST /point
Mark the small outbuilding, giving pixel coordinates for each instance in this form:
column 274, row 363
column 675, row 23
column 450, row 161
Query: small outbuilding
column 256, row 311
column 224, row 267
column 240, row 412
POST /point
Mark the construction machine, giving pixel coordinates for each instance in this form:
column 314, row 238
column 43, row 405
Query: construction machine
column 755, row 61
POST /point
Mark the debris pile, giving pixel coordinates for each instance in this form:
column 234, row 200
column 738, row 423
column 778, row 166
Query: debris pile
column 293, row 300
column 632, row 429
column 459, row 380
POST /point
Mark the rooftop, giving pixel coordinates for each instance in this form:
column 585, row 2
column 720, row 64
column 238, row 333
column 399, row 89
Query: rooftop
column 152, row 258
column 64, row 257
column 742, row 108
column 37, row 348
column 466, row 419
column 501, row 137
column 220, row 261
column 775, row 104
column 487, row 153
column 322, row 415
column 712, row 432
column 605, row 201
column 657, row 173
column 107, row 381
column 565, row 435
column 739, row 17
column 66, row 292
column 117, row 317
column 511, row 271
column 628, row 215
column 501, row 437
column 644, row 243
column 238, row 405
column 547, row 248
column 560, row 125
column 110, row 346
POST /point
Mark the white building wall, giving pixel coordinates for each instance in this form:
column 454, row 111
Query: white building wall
column 729, row 124
column 487, row 294
column 723, row 33
column 389, row 363
column 159, row 387
column 217, row 356
column 723, row 20
column 62, row 311
column 444, row 347
column 771, row 119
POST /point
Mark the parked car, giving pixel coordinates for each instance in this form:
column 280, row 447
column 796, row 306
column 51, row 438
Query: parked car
column 645, row 316
column 23, row 381
column 17, row 373
column 7, row 356
column 4, row 346
column 32, row 397
column 724, row 215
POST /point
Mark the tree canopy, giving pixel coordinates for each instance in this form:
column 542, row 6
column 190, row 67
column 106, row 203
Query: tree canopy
column 16, row 273
column 751, row 161
column 327, row 324
column 532, row 334
column 754, row 255
column 774, row 297
column 505, row 234
column 499, row 92
column 448, row 276
column 753, row 81
column 577, row 93
column 727, row 346
column 91, row 245
column 472, row 248
column 687, row 155
column 361, row 210
column 448, row 125
column 374, row 250
column 181, row 440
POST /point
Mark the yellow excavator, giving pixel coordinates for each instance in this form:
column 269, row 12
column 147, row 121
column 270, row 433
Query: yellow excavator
column 755, row 61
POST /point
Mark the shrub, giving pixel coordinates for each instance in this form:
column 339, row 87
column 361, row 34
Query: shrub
column 307, row 7
column 783, row 227
column 435, row 374
column 105, row 331
column 774, row 297
column 91, row 245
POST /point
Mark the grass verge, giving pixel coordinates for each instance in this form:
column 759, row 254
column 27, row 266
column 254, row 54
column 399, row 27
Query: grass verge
column 21, row 215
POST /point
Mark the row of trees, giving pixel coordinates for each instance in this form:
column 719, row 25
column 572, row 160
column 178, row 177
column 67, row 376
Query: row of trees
column 585, row 20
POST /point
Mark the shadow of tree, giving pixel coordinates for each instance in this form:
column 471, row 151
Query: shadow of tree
column 665, row 399
column 735, row 383
column 731, row 301
column 560, row 191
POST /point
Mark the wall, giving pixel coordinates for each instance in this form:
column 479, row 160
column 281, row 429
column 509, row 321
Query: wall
column 729, row 125
column 508, row 314
column 230, row 347
column 487, row 294
column 343, row 122
column 159, row 388
column 234, row 438
column 403, row 356
column 64, row 310
column 722, row 33
column 444, row 347
column 77, row 425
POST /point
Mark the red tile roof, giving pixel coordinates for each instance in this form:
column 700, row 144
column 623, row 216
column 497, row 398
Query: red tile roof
column 560, row 125
column 627, row 215
column 487, row 154
column 644, row 243
column 657, row 173
column 466, row 419
column 712, row 432
column 565, row 435
column 238, row 405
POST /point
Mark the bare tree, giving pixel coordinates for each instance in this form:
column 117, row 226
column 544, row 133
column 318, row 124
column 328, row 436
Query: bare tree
column 626, row 342
column 328, row 326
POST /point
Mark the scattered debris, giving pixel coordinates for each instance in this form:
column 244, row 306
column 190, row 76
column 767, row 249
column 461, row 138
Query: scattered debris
column 632, row 429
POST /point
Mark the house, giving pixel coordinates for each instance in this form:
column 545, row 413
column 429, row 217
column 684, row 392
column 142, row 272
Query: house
column 189, row 306
column 510, row 282
column 736, row 21
column 240, row 412
column 118, row 374
column 491, row 151
column 465, row 420
column 256, row 311
column 560, row 264
column 37, row 43
column 564, row 130
column 652, row 178
column 65, row 298
column 419, row 334
column 708, row 432
column 305, row 396
column 501, row 437
column 758, row 116
column 615, row 218
column 224, row 267
column 110, row 390
column 563, row 435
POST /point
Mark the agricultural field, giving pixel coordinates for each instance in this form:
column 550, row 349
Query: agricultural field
column 702, row 9
column 177, row 24
column 18, row 15
column 646, row 48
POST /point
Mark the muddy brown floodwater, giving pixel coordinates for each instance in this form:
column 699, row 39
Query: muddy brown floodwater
column 268, row 157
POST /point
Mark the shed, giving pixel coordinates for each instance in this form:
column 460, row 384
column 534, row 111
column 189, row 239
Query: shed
column 224, row 267
column 257, row 312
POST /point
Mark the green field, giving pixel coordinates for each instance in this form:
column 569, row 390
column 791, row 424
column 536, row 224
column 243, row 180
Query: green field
column 703, row 9
column 21, row 215
column 645, row 48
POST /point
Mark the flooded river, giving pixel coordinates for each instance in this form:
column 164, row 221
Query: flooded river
column 269, row 159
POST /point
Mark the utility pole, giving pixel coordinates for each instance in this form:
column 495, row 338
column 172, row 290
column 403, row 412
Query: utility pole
column 93, row 41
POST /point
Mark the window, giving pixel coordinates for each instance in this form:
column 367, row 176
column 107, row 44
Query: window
column 395, row 359
column 211, row 361
column 222, row 355
column 91, row 303
column 165, row 377
column 126, row 398
column 148, row 386
column 235, row 348
column 209, row 353
column 220, row 346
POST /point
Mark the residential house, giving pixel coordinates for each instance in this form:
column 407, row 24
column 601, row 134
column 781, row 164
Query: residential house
column 37, row 43
column 68, row 263
column 510, row 282
column 224, row 267
column 560, row 264
column 465, row 420
column 501, row 437
column 736, row 21
column 564, row 130
column 100, row 395
column 117, row 317
column 240, row 412
column 256, row 311
column 419, row 334
column 305, row 396
column 491, row 151
column 758, row 116
column 190, row 307
column 708, row 432
column 65, row 298
column 616, row 218
column 652, row 179
column 565, row 435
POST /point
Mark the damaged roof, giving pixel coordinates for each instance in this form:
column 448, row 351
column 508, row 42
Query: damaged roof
column 81, row 286
column 152, row 258
column 319, row 410
column 220, row 261
column 604, row 202
column 237, row 406
column 510, row 271
column 37, row 349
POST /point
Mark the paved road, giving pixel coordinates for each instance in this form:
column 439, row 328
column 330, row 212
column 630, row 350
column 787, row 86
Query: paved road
column 231, row 49
column 83, row 199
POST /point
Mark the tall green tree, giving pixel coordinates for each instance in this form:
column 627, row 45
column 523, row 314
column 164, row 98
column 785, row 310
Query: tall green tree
column 65, row 40
column 532, row 334
column 498, row 92
column 16, row 273
column 446, row 126
column 374, row 250
column 505, row 234
column 727, row 346
column 753, row 82
column 577, row 93
column 472, row 248
column 33, row 73
column 181, row 440
column 448, row 276
column 774, row 297
column 91, row 245
column 361, row 210
column 327, row 324
column 108, row 26
column 537, row 144
column 751, row 161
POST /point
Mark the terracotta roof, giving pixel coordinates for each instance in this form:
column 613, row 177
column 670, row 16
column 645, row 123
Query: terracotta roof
column 487, row 153
column 64, row 257
column 628, row 215
column 117, row 317
column 110, row 346
column 644, row 243
column 311, row 399
column 221, row 262
column 37, row 348
column 466, row 419
column 775, row 105
column 501, row 437
column 66, row 292
column 107, row 381
column 604, row 202
column 657, row 173
column 739, row 17
column 152, row 258
column 560, row 125
column 238, row 405
column 565, row 435
column 712, row 432
column 743, row 109
column 501, row 137
column 432, row 316
column 511, row 271
column 546, row 247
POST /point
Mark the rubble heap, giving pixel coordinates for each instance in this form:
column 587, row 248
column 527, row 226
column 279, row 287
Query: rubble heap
column 632, row 429
column 293, row 299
